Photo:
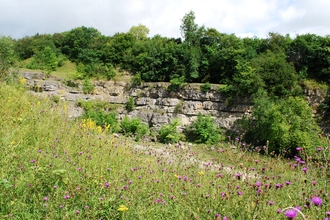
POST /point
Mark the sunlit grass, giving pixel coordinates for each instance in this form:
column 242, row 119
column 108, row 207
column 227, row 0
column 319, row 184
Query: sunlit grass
column 55, row 168
column 66, row 71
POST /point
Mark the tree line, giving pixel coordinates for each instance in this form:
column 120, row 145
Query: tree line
column 276, row 63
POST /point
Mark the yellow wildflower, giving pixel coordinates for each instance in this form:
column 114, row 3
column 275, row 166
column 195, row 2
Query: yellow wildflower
column 201, row 173
column 22, row 80
column 122, row 208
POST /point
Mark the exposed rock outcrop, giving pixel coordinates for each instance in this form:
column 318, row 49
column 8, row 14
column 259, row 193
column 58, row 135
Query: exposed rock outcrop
column 154, row 103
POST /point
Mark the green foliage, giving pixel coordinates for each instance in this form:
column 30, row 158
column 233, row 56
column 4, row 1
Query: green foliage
column 286, row 124
column 134, row 126
column 177, row 83
column 50, row 61
column 245, row 81
column 130, row 104
column 30, row 46
column 6, row 56
column 79, row 44
column 109, row 72
column 88, row 86
column 46, row 59
column 169, row 133
column 203, row 130
column 136, row 80
column 140, row 32
column 278, row 75
column 103, row 119
column 206, row 87
column 190, row 30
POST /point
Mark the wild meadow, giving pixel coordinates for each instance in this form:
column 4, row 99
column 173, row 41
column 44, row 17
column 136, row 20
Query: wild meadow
column 53, row 167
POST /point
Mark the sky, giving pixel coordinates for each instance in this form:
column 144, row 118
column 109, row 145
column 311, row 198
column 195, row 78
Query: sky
column 244, row 18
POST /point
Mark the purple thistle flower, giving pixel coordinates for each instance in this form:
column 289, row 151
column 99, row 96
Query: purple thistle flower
column 319, row 148
column 291, row 213
column 287, row 183
column 305, row 169
column 239, row 193
column 45, row 199
column 317, row 201
column 106, row 185
column 278, row 185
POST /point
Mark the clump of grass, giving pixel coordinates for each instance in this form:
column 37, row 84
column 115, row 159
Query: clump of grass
column 55, row 168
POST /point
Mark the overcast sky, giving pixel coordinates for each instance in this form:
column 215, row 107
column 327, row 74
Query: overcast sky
column 19, row 18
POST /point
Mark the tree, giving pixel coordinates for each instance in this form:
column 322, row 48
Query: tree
column 310, row 54
column 6, row 56
column 140, row 32
column 50, row 61
column 29, row 46
column 77, row 44
column 190, row 31
column 279, row 76
column 116, row 49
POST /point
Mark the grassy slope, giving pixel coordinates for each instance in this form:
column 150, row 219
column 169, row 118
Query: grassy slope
column 55, row 168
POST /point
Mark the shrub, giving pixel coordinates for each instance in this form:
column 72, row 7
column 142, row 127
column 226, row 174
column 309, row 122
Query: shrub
column 88, row 87
column 103, row 119
column 130, row 104
column 285, row 123
column 206, row 87
column 203, row 130
column 169, row 133
column 136, row 80
column 177, row 83
column 109, row 72
column 134, row 126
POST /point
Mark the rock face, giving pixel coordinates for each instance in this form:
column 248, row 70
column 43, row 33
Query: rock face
column 154, row 103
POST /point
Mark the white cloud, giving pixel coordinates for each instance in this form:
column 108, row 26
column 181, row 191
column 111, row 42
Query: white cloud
column 241, row 17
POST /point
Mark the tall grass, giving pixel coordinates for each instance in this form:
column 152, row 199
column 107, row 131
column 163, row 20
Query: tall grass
column 55, row 168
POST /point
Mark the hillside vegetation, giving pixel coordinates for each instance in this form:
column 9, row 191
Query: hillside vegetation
column 277, row 167
column 55, row 168
column 272, row 70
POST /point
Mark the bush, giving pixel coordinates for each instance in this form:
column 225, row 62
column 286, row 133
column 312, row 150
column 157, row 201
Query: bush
column 206, row 87
column 134, row 126
column 88, row 87
column 177, row 83
column 169, row 133
column 286, row 124
column 130, row 104
column 103, row 119
column 136, row 80
column 203, row 130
